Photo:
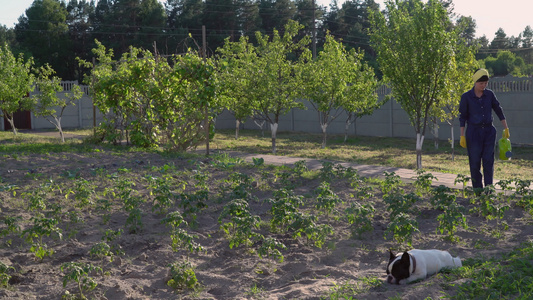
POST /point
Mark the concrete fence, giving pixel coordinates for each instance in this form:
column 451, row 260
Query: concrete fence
column 514, row 94
column 79, row 115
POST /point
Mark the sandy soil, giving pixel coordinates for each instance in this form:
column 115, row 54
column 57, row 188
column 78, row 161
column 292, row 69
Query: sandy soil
column 142, row 271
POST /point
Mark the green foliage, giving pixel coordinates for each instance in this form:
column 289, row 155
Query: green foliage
column 4, row 274
column 284, row 208
column 12, row 227
column 326, row 199
column 47, row 103
column 181, row 239
column 269, row 247
column 83, row 192
column 506, row 278
column 360, row 218
column 400, row 203
column 489, row 204
column 41, row 227
column 81, row 274
column 417, row 54
column 304, row 224
column 16, row 82
column 161, row 189
column 240, row 223
column 453, row 214
column 101, row 250
column 423, row 182
column 182, row 276
column 464, row 180
column 264, row 75
column 338, row 81
column 391, row 184
column 402, row 226
column 153, row 101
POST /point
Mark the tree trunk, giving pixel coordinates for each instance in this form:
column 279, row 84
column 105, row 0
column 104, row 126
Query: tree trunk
column 346, row 127
column 436, row 134
column 453, row 143
column 419, row 143
column 261, row 125
column 12, row 123
column 274, row 128
column 324, row 134
column 237, row 124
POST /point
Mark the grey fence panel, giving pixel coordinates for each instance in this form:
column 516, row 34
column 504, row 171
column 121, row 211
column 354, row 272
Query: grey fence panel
column 514, row 94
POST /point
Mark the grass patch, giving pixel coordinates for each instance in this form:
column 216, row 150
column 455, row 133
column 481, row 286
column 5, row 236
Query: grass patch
column 509, row 277
column 384, row 151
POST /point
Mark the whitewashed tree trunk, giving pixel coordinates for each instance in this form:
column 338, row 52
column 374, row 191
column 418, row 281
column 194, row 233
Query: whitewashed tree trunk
column 237, row 125
column 453, row 143
column 261, row 125
column 324, row 134
column 419, row 143
column 274, row 128
column 346, row 128
column 436, row 134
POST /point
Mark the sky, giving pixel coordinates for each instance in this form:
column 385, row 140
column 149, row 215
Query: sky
column 511, row 15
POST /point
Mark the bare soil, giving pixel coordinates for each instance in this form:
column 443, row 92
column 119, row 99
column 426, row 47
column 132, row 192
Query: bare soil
column 142, row 271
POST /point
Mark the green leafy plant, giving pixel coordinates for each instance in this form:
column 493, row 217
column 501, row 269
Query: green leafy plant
column 284, row 206
column 423, row 182
column 110, row 237
column 403, row 227
column 81, row 274
column 391, row 184
column 41, row 227
column 182, row 276
column 269, row 248
column 453, row 214
column 4, row 274
column 399, row 203
column 132, row 204
column 240, row 223
column 36, row 199
column 161, row 189
column 463, row 179
column 83, row 192
column 12, row 227
column 101, row 250
column 326, row 199
column 360, row 218
column 304, row 224
column 327, row 172
column 490, row 205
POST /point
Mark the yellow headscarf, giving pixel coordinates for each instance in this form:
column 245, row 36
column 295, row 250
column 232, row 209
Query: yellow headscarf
column 481, row 75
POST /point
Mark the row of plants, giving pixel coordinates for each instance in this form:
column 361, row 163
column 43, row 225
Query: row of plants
column 179, row 194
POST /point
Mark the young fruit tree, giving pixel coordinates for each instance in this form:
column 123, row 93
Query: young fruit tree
column 417, row 55
column 16, row 82
column 338, row 81
column 48, row 103
column 275, row 87
column 234, row 63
